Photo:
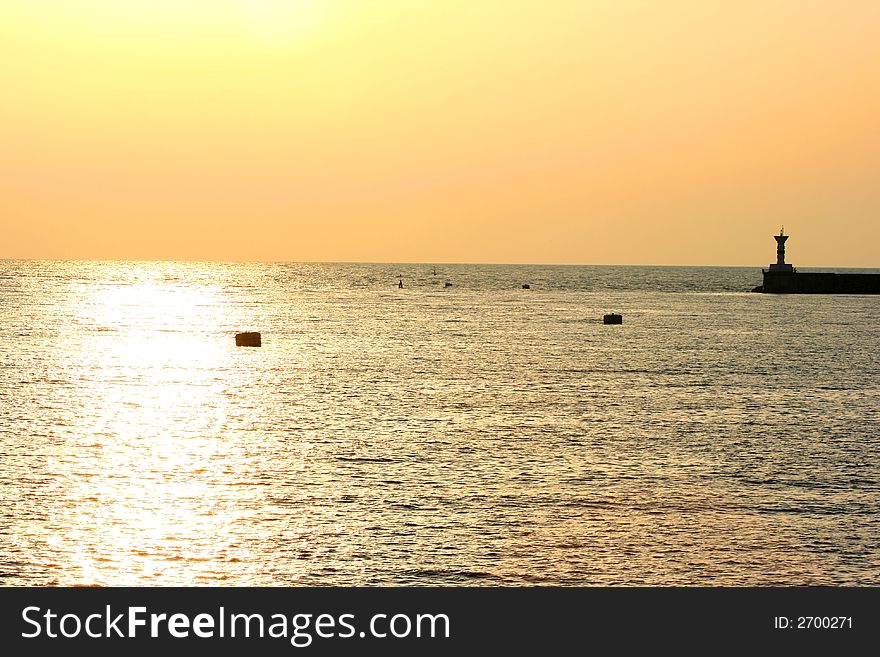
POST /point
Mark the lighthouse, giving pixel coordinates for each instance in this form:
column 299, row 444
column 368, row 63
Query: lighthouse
column 780, row 264
column 782, row 278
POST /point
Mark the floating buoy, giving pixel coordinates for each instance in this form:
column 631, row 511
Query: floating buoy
column 526, row 286
column 447, row 284
column 612, row 318
column 248, row 339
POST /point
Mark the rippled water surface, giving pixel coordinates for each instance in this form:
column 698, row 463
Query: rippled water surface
column 478, row 434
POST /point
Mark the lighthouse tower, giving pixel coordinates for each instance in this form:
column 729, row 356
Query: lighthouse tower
column 780, row 264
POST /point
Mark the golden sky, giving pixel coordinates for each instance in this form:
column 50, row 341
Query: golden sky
column 569, row 131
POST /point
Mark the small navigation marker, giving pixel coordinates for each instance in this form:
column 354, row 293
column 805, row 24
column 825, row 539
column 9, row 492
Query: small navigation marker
column 248, row 339
column 780, row 264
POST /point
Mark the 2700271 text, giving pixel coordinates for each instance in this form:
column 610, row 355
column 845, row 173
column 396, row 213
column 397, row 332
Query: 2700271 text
column 813, row 623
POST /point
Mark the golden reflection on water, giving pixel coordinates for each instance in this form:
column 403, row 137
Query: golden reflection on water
column 150, row 483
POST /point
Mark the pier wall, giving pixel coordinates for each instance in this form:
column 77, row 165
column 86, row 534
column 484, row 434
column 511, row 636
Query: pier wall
column 820, row 283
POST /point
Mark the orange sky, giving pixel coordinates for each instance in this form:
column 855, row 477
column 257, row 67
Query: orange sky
column 570, row 131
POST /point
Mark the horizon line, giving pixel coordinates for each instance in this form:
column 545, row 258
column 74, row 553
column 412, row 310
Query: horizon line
column 419, row 263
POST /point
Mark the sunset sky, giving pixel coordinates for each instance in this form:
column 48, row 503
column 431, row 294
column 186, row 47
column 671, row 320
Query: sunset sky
column 552, row 131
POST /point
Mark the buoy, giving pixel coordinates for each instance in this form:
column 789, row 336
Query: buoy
column 526, row 286
column 612, row 318
column 447, row 284
column 248, row 339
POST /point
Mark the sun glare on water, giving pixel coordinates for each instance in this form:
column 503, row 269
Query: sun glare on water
column 153, row 468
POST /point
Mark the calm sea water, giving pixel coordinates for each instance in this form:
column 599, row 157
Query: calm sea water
column 480, row 434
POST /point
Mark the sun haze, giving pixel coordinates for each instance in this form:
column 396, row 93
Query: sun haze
column 572, row 131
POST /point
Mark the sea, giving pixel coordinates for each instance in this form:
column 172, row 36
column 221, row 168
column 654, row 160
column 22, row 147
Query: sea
column 459, row 430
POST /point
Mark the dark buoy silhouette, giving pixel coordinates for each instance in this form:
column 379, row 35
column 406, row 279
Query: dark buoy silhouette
column 400, row 284
column 612, row 318
column 248, row 339
column 526, row 286
column 447, row 284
